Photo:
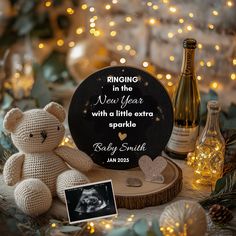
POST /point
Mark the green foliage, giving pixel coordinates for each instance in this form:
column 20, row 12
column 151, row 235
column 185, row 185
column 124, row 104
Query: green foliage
column 29, row 20
column 40, row 91
column 139, row 228
column 224, row 193
column 54, row 67
column 156, row 227
column 124, row 231
column 226, row 184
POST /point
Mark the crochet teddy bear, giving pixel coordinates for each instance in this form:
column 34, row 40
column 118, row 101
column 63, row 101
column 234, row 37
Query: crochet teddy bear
column 41, row 169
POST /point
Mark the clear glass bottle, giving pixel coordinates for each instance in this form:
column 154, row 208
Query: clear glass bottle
column 210, row 149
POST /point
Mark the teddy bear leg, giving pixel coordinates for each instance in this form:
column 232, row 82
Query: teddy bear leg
column 68, row 179
column 33, row 197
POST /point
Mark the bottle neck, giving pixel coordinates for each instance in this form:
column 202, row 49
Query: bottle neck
column 188, row 62
column 212, row 124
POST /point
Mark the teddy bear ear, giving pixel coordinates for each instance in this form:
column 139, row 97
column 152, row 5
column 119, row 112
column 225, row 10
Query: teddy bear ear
column 11, row 119
column 57, row 110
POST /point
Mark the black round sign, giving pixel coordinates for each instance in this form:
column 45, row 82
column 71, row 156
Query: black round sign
column 119, row 114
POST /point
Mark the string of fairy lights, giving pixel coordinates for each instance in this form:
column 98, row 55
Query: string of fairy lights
column 127, row 50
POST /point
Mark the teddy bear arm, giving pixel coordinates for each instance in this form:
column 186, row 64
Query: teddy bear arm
column 13, row 168
column 75, row 158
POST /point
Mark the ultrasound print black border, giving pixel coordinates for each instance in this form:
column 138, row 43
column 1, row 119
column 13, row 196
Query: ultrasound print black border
column 113, row 200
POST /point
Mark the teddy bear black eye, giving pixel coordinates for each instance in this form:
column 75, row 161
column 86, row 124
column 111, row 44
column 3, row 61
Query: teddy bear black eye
column 58, row 127
column 31, row 135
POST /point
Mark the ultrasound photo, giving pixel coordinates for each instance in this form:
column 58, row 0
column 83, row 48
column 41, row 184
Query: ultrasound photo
column 90, row 201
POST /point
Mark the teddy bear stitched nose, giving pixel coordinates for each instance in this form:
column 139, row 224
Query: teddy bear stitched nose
column 44, row 135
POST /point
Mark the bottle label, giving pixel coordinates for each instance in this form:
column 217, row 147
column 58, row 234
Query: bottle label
column 183, row 140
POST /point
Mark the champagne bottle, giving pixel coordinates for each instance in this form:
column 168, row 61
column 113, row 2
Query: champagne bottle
column 186, row 103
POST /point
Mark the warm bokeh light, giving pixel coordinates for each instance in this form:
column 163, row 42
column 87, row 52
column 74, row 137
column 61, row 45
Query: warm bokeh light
column 145, row 64
column 60, row 42
column 122, row 60
column 79, row 30
column 113, row 33
column 84, row 6
column 70, row 11
column 233, row 76
column 41, row 45
column 128, row 19
column 170, row 35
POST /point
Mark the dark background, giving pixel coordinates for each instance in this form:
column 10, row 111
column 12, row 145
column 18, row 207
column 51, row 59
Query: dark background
column 87, row 130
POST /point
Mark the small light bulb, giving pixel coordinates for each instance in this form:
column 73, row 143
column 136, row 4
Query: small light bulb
column 229, row 3
column 170, row 83
column 111, row 23
column 189, row 27
column 145, row 64
column 215, row 13
column 211, row 26
column 84, row 6
column 214, row 85
column 108, row 7
column 202, row 63
column 199, row 77
column 170, row 35
column 234, row 61
column 191, row 15
column 149, row 4
column 233, row 76
column 209, row 64
column 180, row 31
column 41, row 45
column 53, row 225
column 107, row 226
column 60, row 42
column 168, row 76
column 114, row 1
column 128, row 19
column 92, row 31
column 172, row 58
column 172, row 9
column 97, row 33
column 132, row 52
column 91, row 9
column 152, row 21
column 159, row 76
column 92, row 24
column 127, row 47
column 48, row 3
column 181, row 20
column 217, row 47
column 113, row 33
column 79, row 30
column 199, row 45
column 119, row 47
column 155, row 7
column 70, row 11
column 122, row 60
column 71, row 44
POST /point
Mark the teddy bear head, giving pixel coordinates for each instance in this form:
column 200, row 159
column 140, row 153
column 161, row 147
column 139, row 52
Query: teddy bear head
column 36, row 130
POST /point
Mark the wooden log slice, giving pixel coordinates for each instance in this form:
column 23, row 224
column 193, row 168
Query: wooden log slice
column 149, row 194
